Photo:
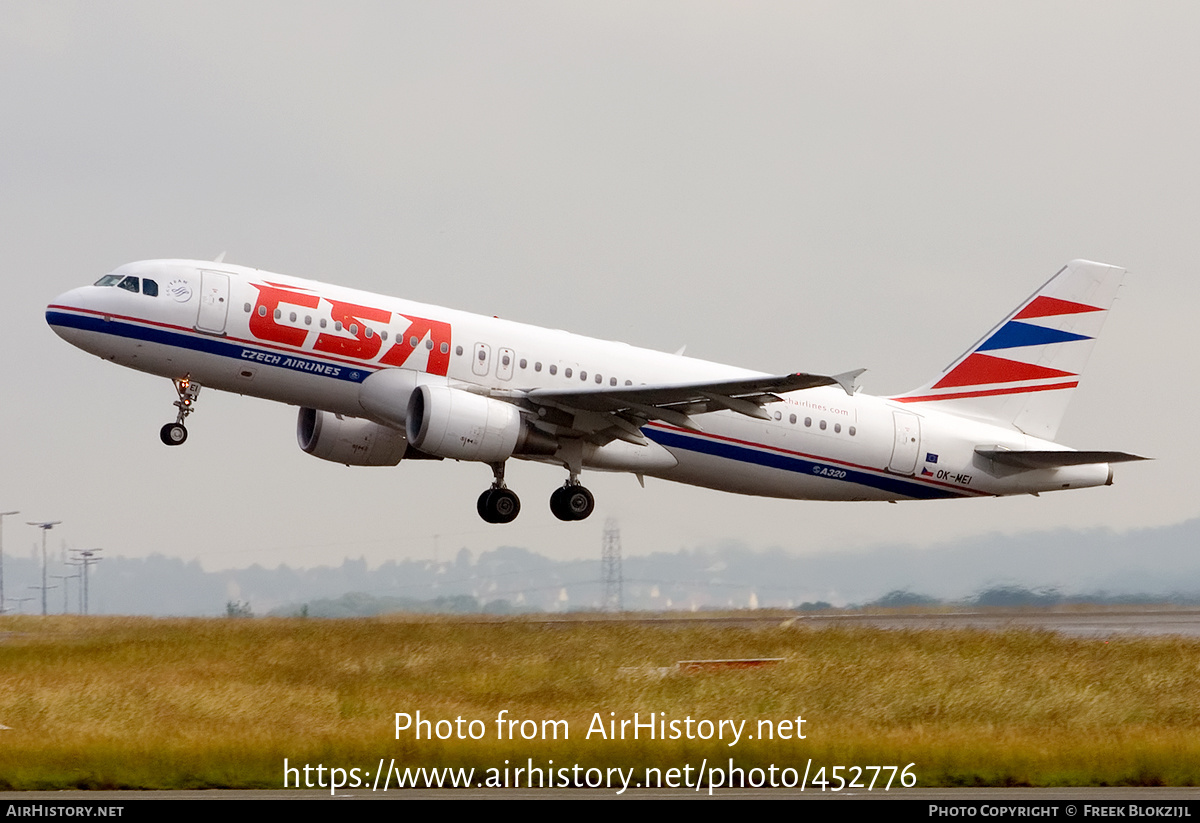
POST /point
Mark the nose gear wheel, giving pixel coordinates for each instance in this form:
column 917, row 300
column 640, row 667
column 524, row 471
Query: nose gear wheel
column 174, row 434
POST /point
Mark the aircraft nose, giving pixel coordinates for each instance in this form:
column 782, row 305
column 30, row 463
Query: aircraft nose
column 60, row 311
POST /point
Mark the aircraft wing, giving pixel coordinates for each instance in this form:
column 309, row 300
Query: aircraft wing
column 627, row 407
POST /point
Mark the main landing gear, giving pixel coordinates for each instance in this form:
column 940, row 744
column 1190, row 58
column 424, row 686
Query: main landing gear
column 572, row 502
column 500, row 505
column 173, row 434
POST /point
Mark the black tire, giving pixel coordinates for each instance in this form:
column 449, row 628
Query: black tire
column 503, row 505
column 498, row 506
column 580, row 503
column 482, row 506
column 173, row 434
column 572, row 503
column 558, row 504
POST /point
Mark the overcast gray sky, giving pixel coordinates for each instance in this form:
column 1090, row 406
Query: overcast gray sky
column 841, row 184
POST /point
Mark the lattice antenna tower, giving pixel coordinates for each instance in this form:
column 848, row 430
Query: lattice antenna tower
column 610, row 562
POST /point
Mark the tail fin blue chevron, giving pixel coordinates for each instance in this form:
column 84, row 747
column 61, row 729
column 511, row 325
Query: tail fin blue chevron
column 1023, row 372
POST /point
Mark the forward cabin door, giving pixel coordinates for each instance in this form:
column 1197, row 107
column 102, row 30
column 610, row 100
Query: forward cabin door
column 214, row 302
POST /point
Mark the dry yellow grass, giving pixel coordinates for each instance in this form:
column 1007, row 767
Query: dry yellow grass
column 138, row 702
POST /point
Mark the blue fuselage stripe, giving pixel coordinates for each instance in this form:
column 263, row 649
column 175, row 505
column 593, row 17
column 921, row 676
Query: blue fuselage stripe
column 221, row 347
column 791, row 463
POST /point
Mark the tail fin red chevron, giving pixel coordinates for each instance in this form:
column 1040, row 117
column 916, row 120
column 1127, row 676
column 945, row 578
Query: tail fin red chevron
column 1023, row 371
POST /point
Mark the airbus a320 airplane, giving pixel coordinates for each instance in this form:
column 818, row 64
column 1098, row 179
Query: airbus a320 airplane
column 380, row 379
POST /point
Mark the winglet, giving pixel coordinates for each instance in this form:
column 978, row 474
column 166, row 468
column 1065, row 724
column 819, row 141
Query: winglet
column 848, row 380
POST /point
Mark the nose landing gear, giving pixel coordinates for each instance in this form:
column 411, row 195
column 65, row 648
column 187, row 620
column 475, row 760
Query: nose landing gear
column 173, row 434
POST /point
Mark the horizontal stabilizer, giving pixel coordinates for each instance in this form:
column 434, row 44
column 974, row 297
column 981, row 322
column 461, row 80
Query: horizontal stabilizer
column 1053, row 459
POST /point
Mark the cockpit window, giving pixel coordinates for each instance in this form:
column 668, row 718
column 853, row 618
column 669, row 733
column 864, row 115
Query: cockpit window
column 149, row 288
column 129, row 284
column 108, row 280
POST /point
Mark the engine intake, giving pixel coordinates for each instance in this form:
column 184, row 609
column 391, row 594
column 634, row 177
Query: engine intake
column 348, row 440
column 464, row 426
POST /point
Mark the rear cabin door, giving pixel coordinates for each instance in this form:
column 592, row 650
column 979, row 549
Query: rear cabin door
column 907, row 445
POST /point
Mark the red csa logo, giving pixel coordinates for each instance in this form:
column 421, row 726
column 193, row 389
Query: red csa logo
column 355, row 320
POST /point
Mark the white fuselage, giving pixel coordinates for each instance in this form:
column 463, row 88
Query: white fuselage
column 312, row 345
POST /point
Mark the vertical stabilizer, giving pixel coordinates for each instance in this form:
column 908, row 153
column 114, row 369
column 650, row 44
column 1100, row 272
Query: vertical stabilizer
column 1024, row 371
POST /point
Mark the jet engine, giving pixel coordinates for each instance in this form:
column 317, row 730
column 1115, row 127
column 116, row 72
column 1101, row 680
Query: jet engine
column 348, row 440
column 463, row 426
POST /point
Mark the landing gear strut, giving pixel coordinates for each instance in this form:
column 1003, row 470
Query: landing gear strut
column 173, row 434
column 498, row 504
column 572, row 502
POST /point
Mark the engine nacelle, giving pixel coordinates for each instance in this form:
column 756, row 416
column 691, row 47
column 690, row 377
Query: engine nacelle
column 463, row 426
column 349, row 440
column 384, row 395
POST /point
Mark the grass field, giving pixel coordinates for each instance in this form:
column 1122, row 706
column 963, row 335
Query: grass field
column 180, row 703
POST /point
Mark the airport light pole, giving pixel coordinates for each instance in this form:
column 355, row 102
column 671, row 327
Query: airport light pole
column 87, row 557
column 45, row 526
column 2, row 516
